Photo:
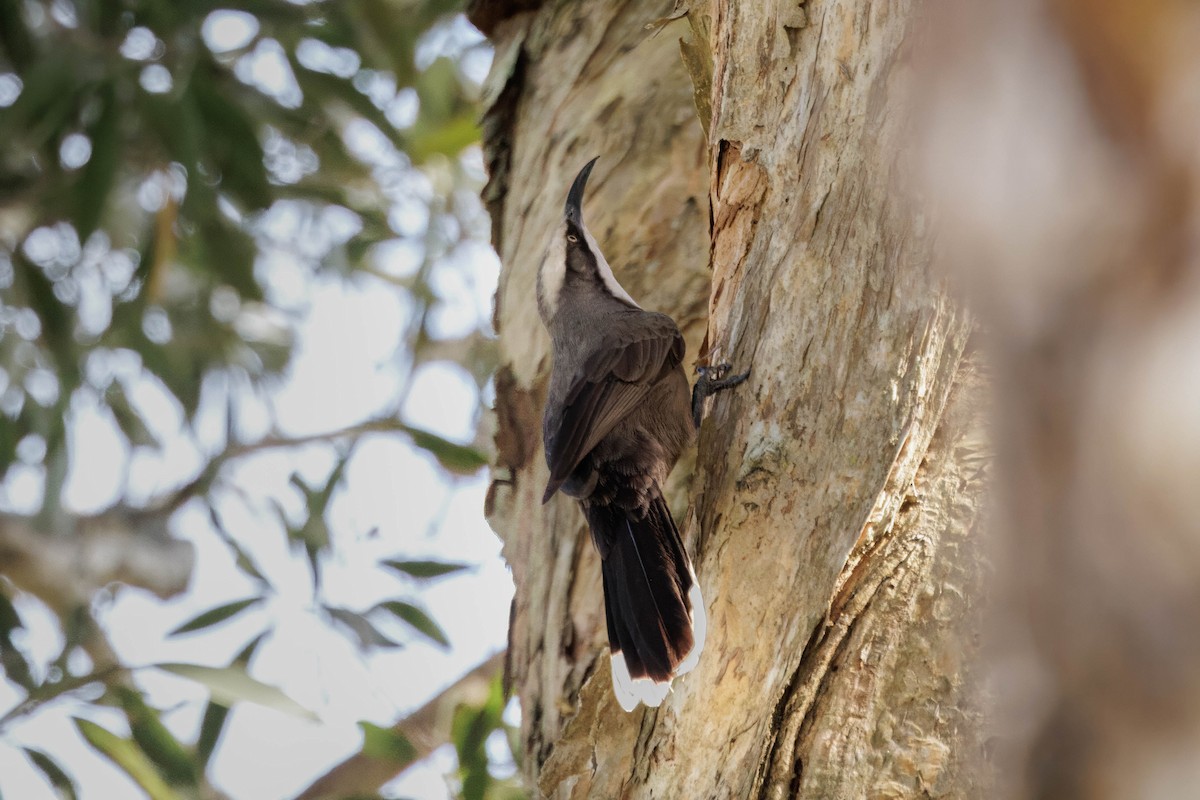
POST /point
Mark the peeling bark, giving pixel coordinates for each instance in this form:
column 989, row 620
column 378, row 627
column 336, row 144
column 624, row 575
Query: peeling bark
column 834, row 496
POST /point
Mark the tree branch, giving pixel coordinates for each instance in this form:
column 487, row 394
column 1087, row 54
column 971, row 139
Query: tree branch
column 197, row 485
column 121, row 545
column 425, row 729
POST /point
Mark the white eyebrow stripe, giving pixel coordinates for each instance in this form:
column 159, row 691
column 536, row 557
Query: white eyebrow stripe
column 606, row 273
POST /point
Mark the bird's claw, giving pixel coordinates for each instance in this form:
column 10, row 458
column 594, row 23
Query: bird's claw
column 712, row 380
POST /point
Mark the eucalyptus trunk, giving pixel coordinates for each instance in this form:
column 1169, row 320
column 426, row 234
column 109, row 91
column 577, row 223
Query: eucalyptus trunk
column 749, row 185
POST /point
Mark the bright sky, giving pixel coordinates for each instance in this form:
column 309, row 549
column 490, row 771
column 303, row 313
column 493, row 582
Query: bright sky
column 394, row 503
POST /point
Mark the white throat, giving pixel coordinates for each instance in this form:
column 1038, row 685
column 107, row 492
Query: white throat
column 551, row 276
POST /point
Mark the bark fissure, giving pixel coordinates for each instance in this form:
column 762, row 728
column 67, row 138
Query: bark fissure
column 819, row 669
column 889, row 576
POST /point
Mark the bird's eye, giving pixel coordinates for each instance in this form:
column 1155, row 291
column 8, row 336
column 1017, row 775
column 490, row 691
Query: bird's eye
column 572, row 237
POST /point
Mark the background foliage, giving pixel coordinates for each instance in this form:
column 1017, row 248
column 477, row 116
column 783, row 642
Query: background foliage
column 175, row 176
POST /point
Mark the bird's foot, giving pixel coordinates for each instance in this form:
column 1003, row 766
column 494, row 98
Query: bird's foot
column 712, row 380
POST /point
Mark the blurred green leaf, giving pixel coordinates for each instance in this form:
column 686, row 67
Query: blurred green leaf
column 10, row 437
column 242, row 559
column 45, row 103
column 15, row 40
column 367, row 634
column 447, row 138
column 57, row 322
column 63, row 785
column 330, row 90
column 228, row 252
column 128, row 756
column 470, row 730
column 388, row 38
column 10, row 620
column 386, row 744
column 212, row 725
column 16, row 667
column 128, row 419
column 216, row 615
column 215, row 713
column 313, row 535
column 178, row 128
column 439, row 91
column 180, row 374
column 231, row 684
column 424, row 570
column 417, row 619
column 457, row 458
column 232, row 142
column 173, row 760
column 96, row 180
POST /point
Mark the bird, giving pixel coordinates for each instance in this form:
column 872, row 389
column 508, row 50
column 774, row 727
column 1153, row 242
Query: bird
column 618, row 415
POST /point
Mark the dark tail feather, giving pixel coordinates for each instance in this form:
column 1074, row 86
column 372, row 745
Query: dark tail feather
column 652, row 604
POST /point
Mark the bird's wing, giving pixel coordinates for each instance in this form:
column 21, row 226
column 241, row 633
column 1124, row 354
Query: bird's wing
column 610, row 384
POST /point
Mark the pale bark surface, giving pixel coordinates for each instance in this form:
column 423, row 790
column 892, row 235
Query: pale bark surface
column 754, row 195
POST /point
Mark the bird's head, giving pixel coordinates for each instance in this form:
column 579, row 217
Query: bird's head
column 573, row 259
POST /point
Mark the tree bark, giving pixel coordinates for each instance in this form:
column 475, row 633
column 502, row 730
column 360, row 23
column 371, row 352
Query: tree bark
column 750, row 186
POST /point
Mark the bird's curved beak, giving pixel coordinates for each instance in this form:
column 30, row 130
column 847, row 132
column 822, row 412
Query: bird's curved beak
column 574, row 207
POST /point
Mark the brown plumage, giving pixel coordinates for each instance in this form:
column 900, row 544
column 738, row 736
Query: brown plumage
column 617, row 417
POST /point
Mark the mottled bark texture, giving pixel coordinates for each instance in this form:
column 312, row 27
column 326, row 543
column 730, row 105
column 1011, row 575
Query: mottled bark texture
column 749, row 185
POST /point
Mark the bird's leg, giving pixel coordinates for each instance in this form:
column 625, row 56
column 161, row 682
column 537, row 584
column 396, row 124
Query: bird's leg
column 711, row 381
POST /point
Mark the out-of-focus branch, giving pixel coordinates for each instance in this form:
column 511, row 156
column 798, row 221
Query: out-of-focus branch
column 1064, row 168
column 121, row 545
column 388, row 424
column 53, row 691
column 425, row 729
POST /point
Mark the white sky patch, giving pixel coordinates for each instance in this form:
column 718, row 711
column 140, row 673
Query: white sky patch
column 398, row 257
column 267, row 69
column 441, row 401
column 451, row 38
column 156, row 79
column 457, row 312
column 142, row 45
column 75, row 150
column 94, row 442
column 64, row 13
column 368, row 143
column 228, row 30
column 10, row 89
column 408, row 218
column 42, row 385
column 320, row 57
column 351, row 334
column 402, row 110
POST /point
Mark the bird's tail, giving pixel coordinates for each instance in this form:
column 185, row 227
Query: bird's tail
column 655, row 614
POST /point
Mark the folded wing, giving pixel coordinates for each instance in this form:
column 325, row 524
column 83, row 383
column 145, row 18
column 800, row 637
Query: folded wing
column 618, row 374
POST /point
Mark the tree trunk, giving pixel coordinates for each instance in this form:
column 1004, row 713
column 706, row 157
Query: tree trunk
column 748, row 186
